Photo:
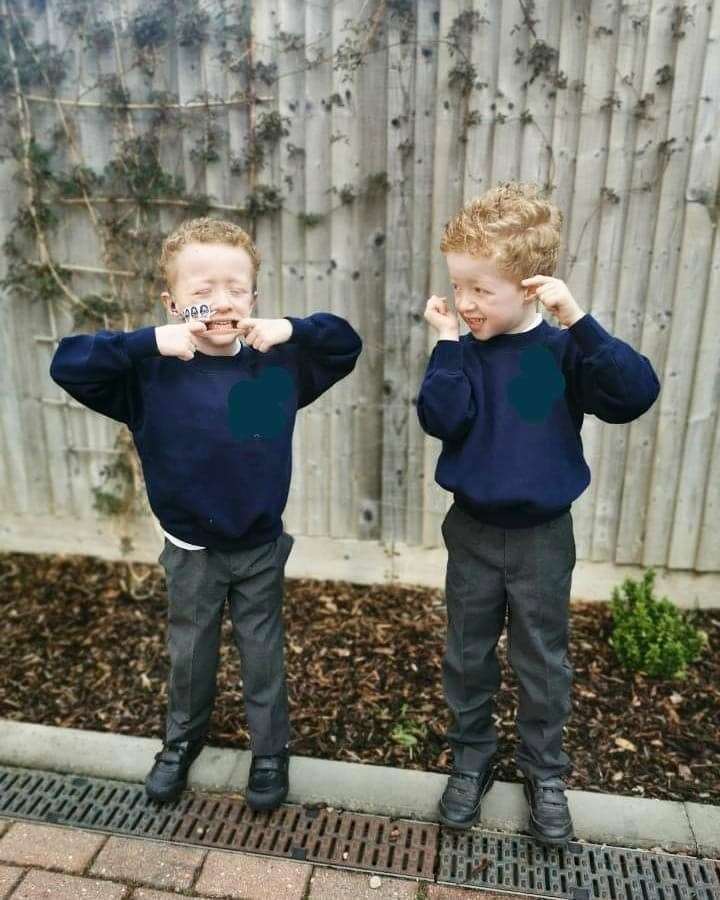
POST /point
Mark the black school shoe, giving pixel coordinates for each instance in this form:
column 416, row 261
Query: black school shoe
column 460, row 804
column 550, row 820
column 168, row 777
column 268, row 782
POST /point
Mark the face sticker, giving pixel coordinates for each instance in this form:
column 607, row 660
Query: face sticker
column 194, row 312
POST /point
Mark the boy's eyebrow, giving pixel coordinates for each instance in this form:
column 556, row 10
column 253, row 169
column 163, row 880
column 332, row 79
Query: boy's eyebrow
column 478, row 278
column 198, row 280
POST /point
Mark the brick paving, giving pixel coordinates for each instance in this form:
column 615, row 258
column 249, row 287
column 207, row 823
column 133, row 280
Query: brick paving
column 49, row 847
column 328, row 884
column 9, row 877
column 57, row 862
column 156, row 864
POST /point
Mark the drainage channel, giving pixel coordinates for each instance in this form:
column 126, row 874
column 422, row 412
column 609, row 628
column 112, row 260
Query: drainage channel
column 223, row 822
column 480, row 859
column 514, row 863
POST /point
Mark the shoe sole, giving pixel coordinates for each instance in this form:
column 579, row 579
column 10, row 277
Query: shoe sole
column 265, row 805
column 164, row 798
column 537, row 833
column 450, row 823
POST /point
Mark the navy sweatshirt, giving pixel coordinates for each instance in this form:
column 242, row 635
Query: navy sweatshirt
column 509, row 412
column 214, row 433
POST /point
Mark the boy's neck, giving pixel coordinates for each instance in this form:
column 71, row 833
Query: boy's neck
column 534, row 320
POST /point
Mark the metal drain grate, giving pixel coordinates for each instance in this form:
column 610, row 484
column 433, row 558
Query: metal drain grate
column 517, row 864
column 316, row 834
column 481, row 859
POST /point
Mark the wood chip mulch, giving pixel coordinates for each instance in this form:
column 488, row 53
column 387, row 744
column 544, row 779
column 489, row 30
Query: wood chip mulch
column 364, row 678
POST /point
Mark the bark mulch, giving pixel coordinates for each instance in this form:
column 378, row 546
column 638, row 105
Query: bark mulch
column 364, row 675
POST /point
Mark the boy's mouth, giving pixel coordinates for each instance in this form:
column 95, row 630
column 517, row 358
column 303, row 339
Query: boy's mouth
column 222, row 324
column 475, row 322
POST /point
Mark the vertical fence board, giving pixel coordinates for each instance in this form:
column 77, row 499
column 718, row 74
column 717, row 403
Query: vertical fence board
column 315, row 419
column 446, row 199
column 424, row 249
column 398, row 287
column 611, row 237
column 291, row 95
column 583, row 216
column 620, row 121
column 657, row 293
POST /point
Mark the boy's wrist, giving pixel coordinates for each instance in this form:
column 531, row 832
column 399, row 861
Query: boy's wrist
column 302, row 330
column 448, row 336
column 142, row 342
column 574, row 317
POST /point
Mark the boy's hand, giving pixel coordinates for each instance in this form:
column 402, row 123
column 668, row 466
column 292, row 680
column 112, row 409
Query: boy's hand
column 262, row 334
column 176, row 340
column 555, row 295
column 438, row 314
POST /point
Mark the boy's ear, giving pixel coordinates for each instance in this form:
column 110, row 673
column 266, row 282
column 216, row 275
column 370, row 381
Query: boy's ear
column 167, row 300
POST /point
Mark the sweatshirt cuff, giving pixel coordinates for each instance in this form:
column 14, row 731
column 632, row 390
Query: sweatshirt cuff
column 589, row 334
column 302, row 332
column 448, row 355
column 141, row 343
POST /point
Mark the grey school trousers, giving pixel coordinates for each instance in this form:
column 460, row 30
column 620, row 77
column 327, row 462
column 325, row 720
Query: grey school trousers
column 199, row 584
column 529, row 572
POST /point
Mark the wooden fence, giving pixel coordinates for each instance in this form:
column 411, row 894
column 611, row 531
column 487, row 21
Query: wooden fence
column 394, row 112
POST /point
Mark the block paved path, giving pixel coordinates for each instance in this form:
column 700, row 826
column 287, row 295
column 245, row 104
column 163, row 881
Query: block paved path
column 61, row 863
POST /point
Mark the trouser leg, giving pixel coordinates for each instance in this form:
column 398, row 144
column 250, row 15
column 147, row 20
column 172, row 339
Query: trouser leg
column 256, row 600
column 475, row 597
column 540, row 563
column 197, row 591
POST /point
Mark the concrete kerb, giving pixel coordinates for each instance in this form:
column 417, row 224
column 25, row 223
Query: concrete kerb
column 616, row 820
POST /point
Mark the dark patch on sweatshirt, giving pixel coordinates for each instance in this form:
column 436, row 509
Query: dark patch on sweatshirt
column 535, row 390
column 257, row 407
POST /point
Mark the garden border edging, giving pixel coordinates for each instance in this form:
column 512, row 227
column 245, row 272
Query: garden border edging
column 618, row 820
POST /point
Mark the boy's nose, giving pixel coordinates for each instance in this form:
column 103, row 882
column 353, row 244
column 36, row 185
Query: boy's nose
column 222, row 304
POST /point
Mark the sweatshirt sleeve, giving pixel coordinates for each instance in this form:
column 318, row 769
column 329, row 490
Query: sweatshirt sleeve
column 99, row 370
column 606, row 377
column 328, row 348
column 446, row 407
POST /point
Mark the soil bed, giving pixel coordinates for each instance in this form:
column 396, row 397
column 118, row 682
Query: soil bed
column 364, row 678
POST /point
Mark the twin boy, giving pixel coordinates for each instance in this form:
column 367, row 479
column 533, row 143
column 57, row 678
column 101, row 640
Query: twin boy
column 211, row 404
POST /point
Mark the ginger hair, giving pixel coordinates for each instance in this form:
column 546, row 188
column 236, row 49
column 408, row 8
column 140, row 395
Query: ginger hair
column 206, row 231
column 513, row 224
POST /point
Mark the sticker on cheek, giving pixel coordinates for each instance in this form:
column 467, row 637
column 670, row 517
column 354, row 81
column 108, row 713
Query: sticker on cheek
column 201, row 312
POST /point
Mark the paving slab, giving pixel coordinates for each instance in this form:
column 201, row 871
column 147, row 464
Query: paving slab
column 9, row 877
column 445, row 892
column 49, row 846
column 150, row 894
column 332, row 884
column 242, row 875
column 54, row 886
column 157, row 864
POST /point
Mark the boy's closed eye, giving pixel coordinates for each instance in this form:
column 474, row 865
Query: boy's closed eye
column 478, row 290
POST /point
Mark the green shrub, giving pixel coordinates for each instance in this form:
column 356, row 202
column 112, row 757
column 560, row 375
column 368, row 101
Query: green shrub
column 651, row 636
